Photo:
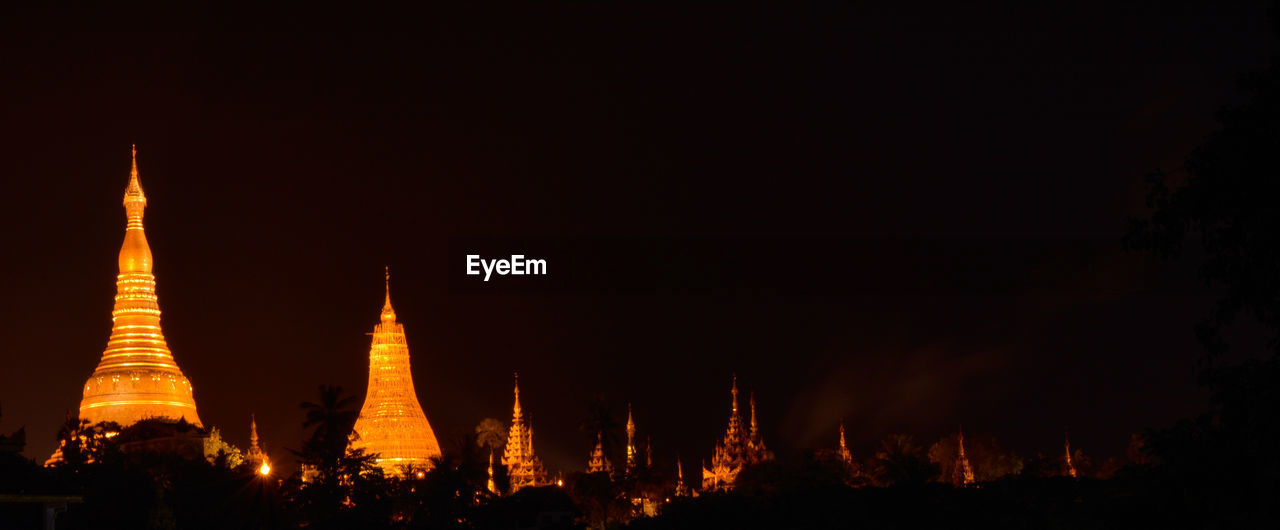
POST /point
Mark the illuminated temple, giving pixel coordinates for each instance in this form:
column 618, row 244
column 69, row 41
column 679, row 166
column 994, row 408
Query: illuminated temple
column 524, row 468
column 740, row 447
column 137, row 377
column 391, row 423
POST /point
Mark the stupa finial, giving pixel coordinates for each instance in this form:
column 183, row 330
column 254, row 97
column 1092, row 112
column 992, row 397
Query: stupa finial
column 388, row 314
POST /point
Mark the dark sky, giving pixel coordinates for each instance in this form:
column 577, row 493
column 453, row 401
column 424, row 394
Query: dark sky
column 288, row 157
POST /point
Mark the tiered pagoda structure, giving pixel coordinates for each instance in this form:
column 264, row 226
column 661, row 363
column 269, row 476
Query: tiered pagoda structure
column 392, row 424
column 962, row 473
column 137, row 377
column 524, row 468
column 598, row 462
column 741, row 446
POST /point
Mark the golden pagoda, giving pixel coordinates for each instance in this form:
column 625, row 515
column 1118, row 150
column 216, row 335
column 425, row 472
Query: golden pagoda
column 738, row 448
column 391, row 423
column 524, row 468
column 137, row 377
column 962, row 473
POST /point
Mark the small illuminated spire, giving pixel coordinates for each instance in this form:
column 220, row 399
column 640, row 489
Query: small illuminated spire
column 754, row 430
column 681, row 489
column 734, row 391
column 133, row 196
column 845, row 455
column 1071, row 466
column 491, row 485
column 631, row 424
column 253, row 433
column 516, row 409
column 962, row 475
column 631, row 441
column 388, row 314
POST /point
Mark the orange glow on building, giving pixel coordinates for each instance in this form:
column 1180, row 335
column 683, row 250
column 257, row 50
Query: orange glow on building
column 392, row 424
column 137, row 377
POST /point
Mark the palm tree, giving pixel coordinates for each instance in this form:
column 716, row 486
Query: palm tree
column 901, row 461
column 491, row 434
column 333, row 418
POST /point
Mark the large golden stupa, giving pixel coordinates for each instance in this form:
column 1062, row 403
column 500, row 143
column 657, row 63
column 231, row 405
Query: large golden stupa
column 391, row 423
column 137, row 377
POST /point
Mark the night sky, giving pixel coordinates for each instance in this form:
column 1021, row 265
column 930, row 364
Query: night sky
column 288, row 156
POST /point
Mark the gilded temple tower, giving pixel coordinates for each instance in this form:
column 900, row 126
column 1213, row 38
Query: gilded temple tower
column 739, row 447
column 137, row 377
column 524, row 468
column 391, row 423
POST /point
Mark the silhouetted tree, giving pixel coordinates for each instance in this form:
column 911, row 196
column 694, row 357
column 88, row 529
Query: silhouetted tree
column 339, row 487
column 1226, row 459
column 899, row 461
column 491, row 433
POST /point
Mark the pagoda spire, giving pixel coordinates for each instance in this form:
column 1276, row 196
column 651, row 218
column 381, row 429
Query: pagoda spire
column 388, row 314
column 632, row 455
column 1071, row 466
column 523, row 467
column 962, row 474
column 845, row 455
column 755, row 430
column 491, row 485
column 256, row 457
column 253, row 432
column 734, row 392
column 682, row 489
column 137, row 377
column 392, row 423
column 516, row 408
